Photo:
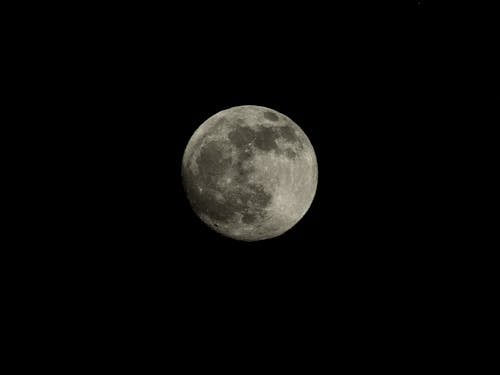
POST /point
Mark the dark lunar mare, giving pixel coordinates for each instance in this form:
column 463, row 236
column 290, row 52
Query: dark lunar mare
column 241, row 136
column 264, row 138
column 212, row 163
column 288, row 133
column 243, row 197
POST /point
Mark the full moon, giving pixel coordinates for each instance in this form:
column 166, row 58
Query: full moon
column 250, row 173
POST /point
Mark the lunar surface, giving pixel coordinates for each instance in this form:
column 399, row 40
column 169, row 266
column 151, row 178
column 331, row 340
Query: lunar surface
column 250, row 173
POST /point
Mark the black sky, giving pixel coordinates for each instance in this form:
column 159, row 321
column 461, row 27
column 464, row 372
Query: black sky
column 384, row 92
column 368, row 87
column 379, row 90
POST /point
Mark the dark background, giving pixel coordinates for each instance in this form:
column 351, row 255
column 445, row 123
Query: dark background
column 385, row 92
column 381, row 91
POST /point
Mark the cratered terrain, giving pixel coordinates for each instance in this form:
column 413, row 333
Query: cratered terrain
column 250, row 173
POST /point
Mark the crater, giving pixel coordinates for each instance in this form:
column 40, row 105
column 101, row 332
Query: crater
column 290, row 154
column 271, row 116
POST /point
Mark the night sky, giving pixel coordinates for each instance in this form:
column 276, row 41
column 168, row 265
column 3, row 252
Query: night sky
column 386, row 94
column 379, row 89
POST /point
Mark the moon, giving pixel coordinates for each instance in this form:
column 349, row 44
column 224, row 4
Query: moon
column 250, row 173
